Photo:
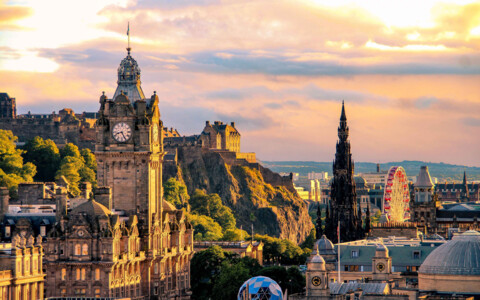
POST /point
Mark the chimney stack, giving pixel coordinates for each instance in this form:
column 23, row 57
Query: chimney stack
column 103, row 195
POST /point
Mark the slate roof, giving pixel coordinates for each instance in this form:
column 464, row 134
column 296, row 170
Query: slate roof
column 92, row 208
column 423, row 179
column 367, row 288
column 460, row 256
column 401, row 255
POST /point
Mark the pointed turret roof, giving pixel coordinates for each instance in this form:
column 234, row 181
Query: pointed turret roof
column 343, row 116
column 424, row 179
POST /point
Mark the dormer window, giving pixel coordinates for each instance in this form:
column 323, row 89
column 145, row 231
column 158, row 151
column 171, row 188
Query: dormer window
column 7, row 231
column 43, row 230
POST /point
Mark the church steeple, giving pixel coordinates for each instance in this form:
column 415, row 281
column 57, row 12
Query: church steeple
column 465, row 194
column 343, row 127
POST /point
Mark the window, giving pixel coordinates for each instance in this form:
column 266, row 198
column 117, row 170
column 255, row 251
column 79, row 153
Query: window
column 416, row 254
column 354, row 253
column 155, row 289
column 63, row 292
column 155, row 268
column 78, row 274
column 85, row 249
column 43, row 231
column 97, row 293
column 7, row 231
column 83, row 273
column 64, row 274
column 78, row 249
column 97, row 274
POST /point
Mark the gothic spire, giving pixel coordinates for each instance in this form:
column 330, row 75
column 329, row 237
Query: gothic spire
column 343, row 116
column 343, row 127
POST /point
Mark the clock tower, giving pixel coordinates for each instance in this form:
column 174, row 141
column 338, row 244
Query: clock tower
column 316, row 276
column 381, row 264
column 129, row 146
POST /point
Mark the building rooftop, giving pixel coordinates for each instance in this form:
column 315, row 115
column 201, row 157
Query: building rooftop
column 460, row 256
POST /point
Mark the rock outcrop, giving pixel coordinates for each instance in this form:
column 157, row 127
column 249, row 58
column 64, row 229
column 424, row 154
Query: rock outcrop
column 256, row 195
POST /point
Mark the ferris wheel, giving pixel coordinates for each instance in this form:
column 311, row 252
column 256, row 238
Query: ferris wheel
column 397, row 195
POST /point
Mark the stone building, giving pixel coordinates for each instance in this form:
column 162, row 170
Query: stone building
column 220, row 136
column 423, row 208
column 64, row 127
column 21, row 272
column 458, row 192
column 8, row 107
column 343, row 204
column 252, row 249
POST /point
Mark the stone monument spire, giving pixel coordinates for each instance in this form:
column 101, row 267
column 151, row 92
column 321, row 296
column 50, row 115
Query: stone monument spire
column 343, row 202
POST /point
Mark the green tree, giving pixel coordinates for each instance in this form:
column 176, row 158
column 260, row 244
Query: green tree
column 12, row 169
column 290, row 279
column 206, row 229
column 230, row 279
column 211, row 205
column 205, row 266
column 70, row 150
column 281, row 251
column 89, row 159
column 175, row 192
column 235, row 234
column 77, row 167
column 44, row 154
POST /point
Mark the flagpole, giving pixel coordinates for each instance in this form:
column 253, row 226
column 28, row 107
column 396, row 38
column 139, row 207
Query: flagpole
column 128, row 35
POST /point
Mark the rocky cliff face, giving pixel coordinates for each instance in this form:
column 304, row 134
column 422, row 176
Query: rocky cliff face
column 255, row 194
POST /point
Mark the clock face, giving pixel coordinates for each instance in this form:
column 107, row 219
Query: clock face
column 80, row 233
column 121, row 132
column 380, row 267
column 316, row 281
column 155, row 133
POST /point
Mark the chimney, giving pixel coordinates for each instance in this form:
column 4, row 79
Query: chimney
column 103, row 195
column 4, row 200
column 378, row 168
column 86, row 188
column 61, row 202
column 207, row 123
column 232, row 124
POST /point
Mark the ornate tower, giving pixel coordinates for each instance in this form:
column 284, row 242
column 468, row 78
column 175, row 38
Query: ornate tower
column 381, row 264
column 343, row 204
column 129, row 146
column 316, row 275
column 426, row 201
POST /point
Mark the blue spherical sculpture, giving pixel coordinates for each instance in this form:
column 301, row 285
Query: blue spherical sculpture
column 260, row 288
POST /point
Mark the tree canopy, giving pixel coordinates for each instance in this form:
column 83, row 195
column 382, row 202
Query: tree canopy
column 12, row 168
column 211, row 205
column 175, row 192
column 45, row 155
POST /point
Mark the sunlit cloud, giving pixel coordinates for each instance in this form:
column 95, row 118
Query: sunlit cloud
column 408, row 69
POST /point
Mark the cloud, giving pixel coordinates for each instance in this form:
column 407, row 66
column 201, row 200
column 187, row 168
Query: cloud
column 475, row 122
column 10, row 14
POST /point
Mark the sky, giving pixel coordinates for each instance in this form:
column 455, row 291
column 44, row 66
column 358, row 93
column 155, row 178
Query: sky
column 408, row 71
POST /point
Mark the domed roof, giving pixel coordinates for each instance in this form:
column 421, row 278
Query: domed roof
column 360, row 182
column 325, row 246
column 460, row 256
column 317, row 259
column 260, row 287
column 129, row 79
column 91, row 208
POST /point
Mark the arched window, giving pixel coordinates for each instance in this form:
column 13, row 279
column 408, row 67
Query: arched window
column 85, row 249
column 78, row 249
column 97, row 274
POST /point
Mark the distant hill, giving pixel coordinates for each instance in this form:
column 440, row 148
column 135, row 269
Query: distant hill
column 440, row 170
